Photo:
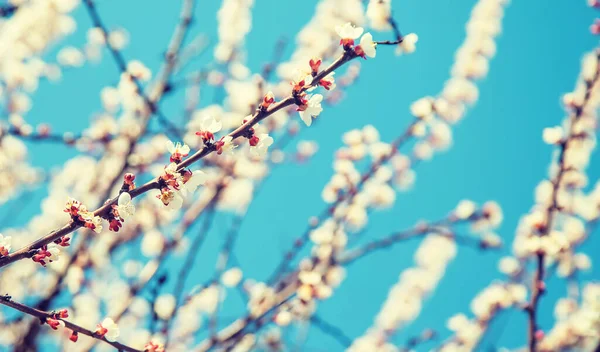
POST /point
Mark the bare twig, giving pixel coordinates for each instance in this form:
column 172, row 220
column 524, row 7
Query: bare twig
column 331, row 330
column 122, row 64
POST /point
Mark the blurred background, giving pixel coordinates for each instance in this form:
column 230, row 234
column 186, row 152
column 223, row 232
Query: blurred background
column 497, row 154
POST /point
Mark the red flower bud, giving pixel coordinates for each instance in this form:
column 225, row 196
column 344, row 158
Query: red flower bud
column 205, row 135
column 267, row 100
column 539, row 334
column 54, row 323
column 114, row 225
column 100, row 330
column 63, row 313
column 315, row 64
column 254, row 141
column 595, row 27
column 325, row 84
column 347, row 43
column 129, row 179
column 63, row 241
column 358, row 50
column 541, row 285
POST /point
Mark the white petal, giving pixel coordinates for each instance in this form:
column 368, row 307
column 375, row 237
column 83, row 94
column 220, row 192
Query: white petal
column 185, row 149
column 199, row 177
column 124, row 199
column 170, row 147
column 306, row 118
column 316, row 99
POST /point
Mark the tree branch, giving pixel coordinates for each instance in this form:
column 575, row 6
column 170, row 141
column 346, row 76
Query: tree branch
column 43, row 316
column 261, row 114
column 537, row 286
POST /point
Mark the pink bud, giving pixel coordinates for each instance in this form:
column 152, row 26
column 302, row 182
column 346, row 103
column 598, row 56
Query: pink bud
column 595, row 27
column 539, row 334
column 541, row 285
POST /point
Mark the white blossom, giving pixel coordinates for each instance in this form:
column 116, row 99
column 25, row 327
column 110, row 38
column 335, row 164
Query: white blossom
column 368, row 46
column 409, row 44
column 348, row 31
column 112, row 330
column 232, row 277
column 178, row 148
column 553, row 135
column 312, row 109
column 125, row 206
column 198, row 178
column 138, row 70
column 210, row 124
column 164, row 306
column 260, row 149
column 227, row 146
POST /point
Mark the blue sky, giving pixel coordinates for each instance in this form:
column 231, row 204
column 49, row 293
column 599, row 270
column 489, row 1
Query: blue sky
column 498, row 153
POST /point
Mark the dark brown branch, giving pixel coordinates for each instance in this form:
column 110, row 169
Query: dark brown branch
column 174, row 46
column 390, row 42
column 43, row 316
column 258, row 116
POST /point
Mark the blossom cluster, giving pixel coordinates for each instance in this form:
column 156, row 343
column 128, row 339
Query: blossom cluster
column 485, row 306
column 15, row 171
column 562, row 193
column 436, row 114
column 23, row 40
column 235, row 20
column 405, row 299
column 577, row 323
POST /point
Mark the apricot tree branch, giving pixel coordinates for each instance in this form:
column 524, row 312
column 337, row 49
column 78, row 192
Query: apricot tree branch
column 260, row 114
column 43, row 316
column 537, row 286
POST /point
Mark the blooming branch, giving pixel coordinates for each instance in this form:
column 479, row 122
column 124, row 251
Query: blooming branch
column 564, row 164
column 56, row 320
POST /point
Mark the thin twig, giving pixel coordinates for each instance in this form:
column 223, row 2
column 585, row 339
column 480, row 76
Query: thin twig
column 302, row 240
column 331, row 330
column 122, row 64
column 188, row 264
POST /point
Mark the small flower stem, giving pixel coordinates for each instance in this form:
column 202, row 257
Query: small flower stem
column 440, row 227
